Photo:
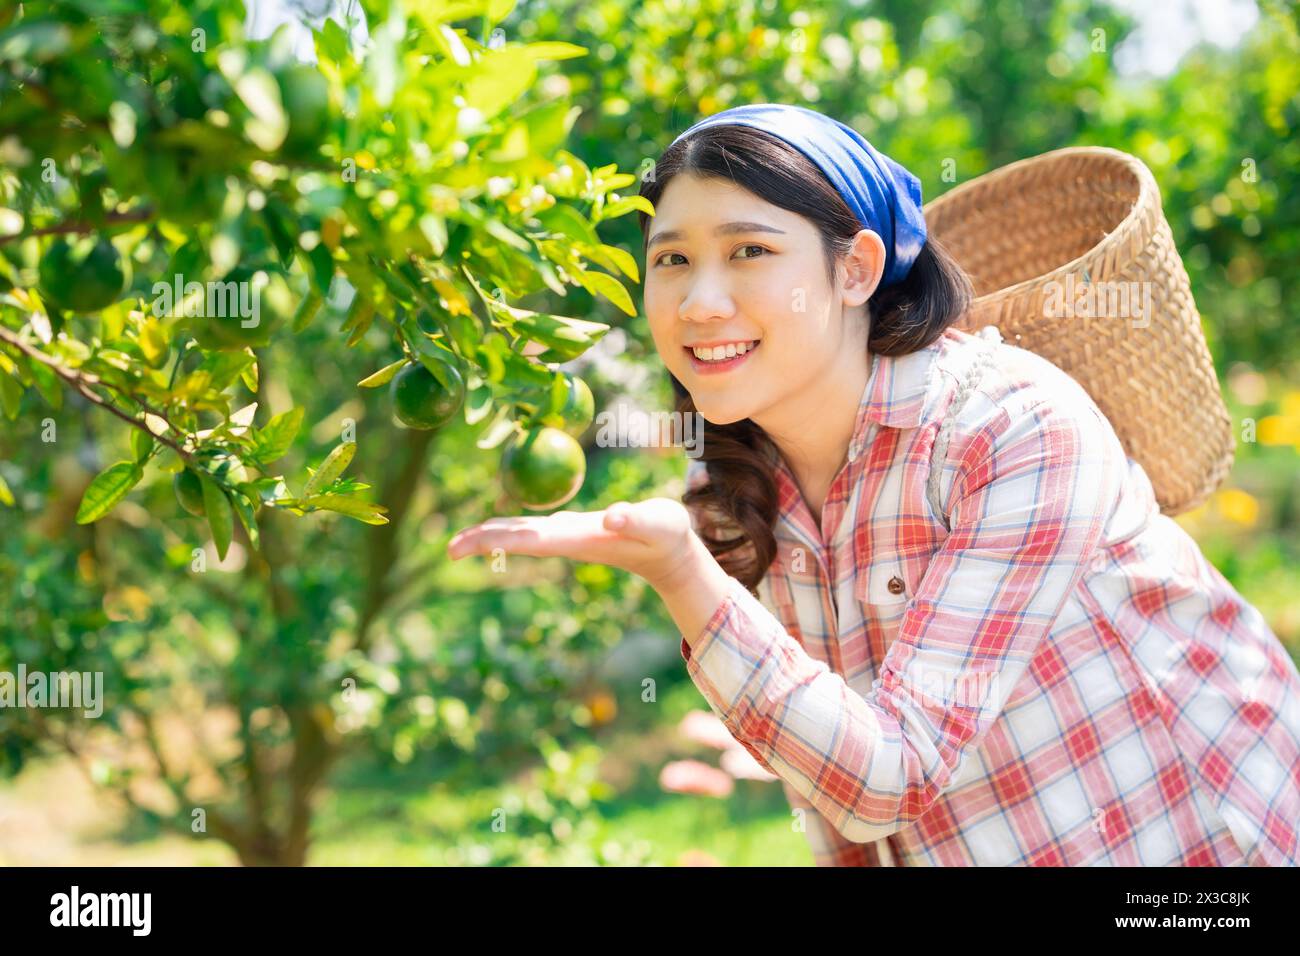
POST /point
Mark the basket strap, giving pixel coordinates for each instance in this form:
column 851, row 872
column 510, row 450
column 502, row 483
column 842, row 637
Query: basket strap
column 988, row 338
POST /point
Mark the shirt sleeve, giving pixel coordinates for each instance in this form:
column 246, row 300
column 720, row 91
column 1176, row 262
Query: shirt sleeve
column 1031, row 499
column 828, row 846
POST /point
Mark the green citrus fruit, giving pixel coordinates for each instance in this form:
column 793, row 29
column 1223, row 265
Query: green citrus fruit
column 578, row 411
column 305, row 94
column 189, row 492
column 420, row 401
column 543, row 469
column 242, row 309
column 83, row 275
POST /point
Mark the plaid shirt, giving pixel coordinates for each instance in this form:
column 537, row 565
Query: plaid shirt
column 1060, row 679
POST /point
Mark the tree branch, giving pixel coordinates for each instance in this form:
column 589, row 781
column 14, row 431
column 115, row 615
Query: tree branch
column 143, row 214
column 80, row 383
column 222, row 828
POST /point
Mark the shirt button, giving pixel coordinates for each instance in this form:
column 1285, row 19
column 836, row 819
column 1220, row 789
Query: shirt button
column 896, row 585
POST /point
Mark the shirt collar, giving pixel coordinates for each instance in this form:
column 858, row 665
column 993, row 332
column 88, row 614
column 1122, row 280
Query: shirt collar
column 897, row 394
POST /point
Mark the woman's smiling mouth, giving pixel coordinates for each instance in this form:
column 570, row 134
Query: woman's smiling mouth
column 713, row 358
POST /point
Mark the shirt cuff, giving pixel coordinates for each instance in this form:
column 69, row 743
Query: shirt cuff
column 714, row 624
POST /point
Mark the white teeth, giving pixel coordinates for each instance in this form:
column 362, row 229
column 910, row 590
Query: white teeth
column 719, row 353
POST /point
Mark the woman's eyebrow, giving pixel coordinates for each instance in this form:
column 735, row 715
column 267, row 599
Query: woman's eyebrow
column 726, row 229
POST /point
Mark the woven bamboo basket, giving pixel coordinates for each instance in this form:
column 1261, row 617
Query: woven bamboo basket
column 1072, row 258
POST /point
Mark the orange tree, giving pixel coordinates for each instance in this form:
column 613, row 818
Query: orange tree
column 196, row 229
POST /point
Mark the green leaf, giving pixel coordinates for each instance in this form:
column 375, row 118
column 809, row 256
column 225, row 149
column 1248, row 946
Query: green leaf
column 153, row 343
column 11, row 394
column 244, row 508
column 396, row 281
column 611, row 180
column 627, row 204
column 361, row 314
column 279, row 232
column 352, row 507
column 549, row 125
column 330, row 468
column 307, row 310
column 275, row 439
column 109, row 487
column 434, row 356
column 567, row 221
column 217, row 505
column 383, row 376
column 332, row 41
column 225, row 367
column 438, row 361
column 500, row 79
column 6, row 496
column 623, row 261
column 48, row 384
column 520, row 372
column 498, row 10
column 141, row 444
column 562, row 335
column 499, row 230
column 609, row 287
column 478, row 404
column 434, row 228
column 554, row 50
column 322, row 267
column 249, row 374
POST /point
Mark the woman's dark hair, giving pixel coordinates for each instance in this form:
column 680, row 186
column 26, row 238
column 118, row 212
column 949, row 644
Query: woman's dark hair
column 906, row 317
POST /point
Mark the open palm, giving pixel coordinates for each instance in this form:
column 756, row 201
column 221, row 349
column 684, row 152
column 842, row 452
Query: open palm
column 648, row 538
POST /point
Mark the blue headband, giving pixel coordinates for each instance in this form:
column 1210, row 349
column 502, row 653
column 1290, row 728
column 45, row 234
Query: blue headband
column 884, row 196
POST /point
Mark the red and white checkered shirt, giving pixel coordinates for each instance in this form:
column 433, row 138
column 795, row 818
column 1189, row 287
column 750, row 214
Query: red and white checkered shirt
column 1060, row 679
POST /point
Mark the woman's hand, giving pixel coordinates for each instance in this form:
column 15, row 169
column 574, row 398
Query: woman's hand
column 652, row 539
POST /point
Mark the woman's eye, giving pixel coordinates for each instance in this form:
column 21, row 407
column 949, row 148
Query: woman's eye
column 662, row 260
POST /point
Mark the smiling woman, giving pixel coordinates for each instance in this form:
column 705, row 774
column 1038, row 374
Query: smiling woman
column 976, row 639
column 915, row 573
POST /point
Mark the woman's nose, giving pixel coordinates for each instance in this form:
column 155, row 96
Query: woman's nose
column 706, row 302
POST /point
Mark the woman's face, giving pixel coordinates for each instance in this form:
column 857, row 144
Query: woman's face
column 727, row 269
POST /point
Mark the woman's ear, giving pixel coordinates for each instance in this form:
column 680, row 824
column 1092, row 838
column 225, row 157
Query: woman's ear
column 864, row 266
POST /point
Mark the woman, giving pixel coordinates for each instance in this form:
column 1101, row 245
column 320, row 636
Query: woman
column 919, row 579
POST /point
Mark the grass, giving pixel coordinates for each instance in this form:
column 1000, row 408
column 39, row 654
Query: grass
column 440, row 814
